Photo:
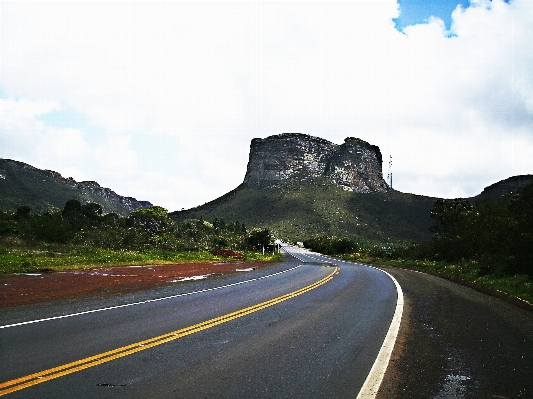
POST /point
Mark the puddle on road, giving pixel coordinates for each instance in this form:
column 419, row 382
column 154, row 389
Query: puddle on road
column 454, row 387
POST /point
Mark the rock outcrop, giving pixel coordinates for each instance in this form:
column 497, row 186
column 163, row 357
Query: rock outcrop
column 287, row 158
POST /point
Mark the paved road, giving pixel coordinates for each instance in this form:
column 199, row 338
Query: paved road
column 301, row 329
column 455, row 342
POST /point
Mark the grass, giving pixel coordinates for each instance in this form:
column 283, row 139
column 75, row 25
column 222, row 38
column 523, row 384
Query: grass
column 520, row 286
column 298, row 212
column 48, row 258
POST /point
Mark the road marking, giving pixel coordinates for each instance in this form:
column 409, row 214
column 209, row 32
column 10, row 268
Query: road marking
column 370, row 387
column 377, row 372
column 69, row 368
column 147, row 301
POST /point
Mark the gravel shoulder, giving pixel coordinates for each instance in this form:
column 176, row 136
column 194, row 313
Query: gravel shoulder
column 455, row 342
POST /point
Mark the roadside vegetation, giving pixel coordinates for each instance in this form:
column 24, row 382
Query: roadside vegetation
column 82, row 236
column 298, row 210
column 485, row 242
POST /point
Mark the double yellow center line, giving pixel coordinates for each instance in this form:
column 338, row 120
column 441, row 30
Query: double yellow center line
column 69, row 368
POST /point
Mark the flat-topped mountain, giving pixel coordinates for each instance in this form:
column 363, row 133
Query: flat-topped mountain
column 289, row 158
column 46, row 190
column 301, row 186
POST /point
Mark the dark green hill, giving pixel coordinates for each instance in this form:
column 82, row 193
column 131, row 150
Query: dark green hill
column 496, row 191
column 299, row 212
column 300, row 186
column 46, row 190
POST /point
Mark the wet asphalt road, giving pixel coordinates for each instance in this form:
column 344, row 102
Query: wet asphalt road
column 320, row 344
column 455, row 342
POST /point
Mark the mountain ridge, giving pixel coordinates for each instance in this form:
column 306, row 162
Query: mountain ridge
column 302, row 186
column 46, row 190
column 297, row 185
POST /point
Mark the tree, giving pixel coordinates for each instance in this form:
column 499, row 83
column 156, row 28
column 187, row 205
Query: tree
column 331, row 245
column 23, row 212
column 153, row 220
column 92, row 210
column 72, row 206
column 448, row 213
column 258, row 238
column 72, row 213
column 521, row 210
column 51, row 227
column 8, row 224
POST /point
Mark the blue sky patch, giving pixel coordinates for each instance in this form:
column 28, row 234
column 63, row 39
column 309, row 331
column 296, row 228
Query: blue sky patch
column 64, row 118
column 414, row 12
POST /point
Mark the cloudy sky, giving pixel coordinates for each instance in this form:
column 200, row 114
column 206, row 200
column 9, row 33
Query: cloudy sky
column 160, row 101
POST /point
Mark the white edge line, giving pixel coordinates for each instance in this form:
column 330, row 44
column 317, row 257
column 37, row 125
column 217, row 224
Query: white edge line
column 370, row 387
column 373, row 381
column 147, row 301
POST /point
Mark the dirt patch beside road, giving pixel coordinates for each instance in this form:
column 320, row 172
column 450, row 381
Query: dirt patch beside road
column 97, row 282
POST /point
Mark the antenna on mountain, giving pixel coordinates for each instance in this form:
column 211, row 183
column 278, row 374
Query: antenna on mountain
column 389, row 176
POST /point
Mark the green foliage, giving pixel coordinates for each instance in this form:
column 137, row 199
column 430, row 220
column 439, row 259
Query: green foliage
column 92, row 211
column 152, row 221
column 331, row 245
column 149, row 229
column 8, row 227
column 448, row 214
column 258, row 239
column 521, row 242
column 298, row 212
column 23, row 212
column 50, row 227
column 498, row 236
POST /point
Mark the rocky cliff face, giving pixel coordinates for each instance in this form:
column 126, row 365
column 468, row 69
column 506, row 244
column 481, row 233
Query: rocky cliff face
column 354, row 165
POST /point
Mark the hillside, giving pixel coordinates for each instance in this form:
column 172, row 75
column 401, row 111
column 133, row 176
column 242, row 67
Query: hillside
column 46, row 190
column 301, row 186
column 296, row 213
column 497, row 190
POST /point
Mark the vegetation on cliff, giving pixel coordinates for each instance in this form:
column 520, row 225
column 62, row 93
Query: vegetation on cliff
column 301, row 211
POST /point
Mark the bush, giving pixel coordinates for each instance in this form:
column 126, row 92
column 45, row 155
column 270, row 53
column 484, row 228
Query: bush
column 331, row 245
column 227, row 253
column 257, row 239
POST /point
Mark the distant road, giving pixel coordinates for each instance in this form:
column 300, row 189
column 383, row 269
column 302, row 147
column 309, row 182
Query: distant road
column 301, row 329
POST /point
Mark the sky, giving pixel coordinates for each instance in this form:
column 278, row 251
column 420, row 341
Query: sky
column 160, row 100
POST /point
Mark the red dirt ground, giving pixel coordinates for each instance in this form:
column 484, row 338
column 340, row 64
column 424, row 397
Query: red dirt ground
column 98, row 282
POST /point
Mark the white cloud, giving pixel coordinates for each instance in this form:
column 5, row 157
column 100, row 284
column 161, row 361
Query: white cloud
column 25, row 137
column 116, row 157
column 195, row 82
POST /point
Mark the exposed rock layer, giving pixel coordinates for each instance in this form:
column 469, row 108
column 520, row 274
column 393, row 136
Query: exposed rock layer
column 354, row 165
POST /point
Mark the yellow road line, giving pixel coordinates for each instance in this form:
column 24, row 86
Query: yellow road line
column 69, row 368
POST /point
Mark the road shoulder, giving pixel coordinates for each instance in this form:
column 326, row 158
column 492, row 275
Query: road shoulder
column 457, row 342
